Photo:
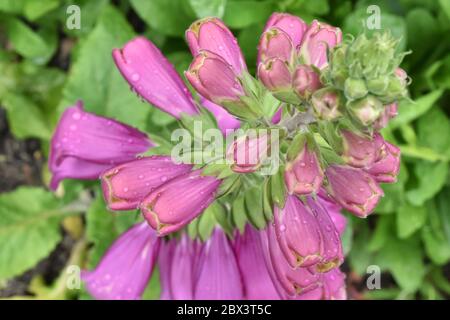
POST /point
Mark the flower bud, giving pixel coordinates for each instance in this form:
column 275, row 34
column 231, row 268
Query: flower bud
column 306, row 81
column 387, row 165
column 303, row 174
column 389, row 112
column 275, row 75
column 355, row 88
column 124, row 270
column 84, row 145
column 248, row 152
column 360, row 150
column 326, row 103
column 126, row 185
column 317, row 40
column 354, row 189
column 214, row 78
column 366, row 110
column 292, row 25
column 275, row 43
column 167, row 209
column 212, row 34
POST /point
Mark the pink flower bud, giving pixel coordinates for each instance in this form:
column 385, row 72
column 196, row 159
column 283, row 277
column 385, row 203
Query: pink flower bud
column 288, row 281
column 275, row 75
column 258, row 284
column 275, row 43
column 326, row 104
column 292, row 25
column 126, row 185
column 317, row 40
column 354, row 189
column 390, row 111
column 402, row 75
column 248, row 152
column 167, row 209
column 306, row 81
column 304, row 174
column 217, row 272
column 358, row 150
column 367, row 110
column 213, row 35
column 126, row 267
column 387, row 164
column 153, row 77
column 84, row 145
column 214, row 78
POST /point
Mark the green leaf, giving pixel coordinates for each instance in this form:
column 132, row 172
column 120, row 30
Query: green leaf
column 408, row 111
column 168, row 17
column 35, row 9
column 410, row 219
column 254, row 207
column 12, row 6
column 25, row 118
column 445, row 5
column 29, row 229
column 95, row 79
column 243, row 13
column 207, row 221
column 432, row 178
column 208, row 8
column 238, row 212
column 438, row 140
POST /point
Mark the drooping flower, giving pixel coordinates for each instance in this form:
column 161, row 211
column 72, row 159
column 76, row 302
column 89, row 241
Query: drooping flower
column 305, row 81
column 275, row 44
column 153, row 77
column 217, row 275
column 339, row 220
column 275, row 75
column 175, row 203
column 354, row 189
column 292, row 25
column 126, row 267
column 84, row 145
column 258, row 284
column 387, row 164
column 165, row 259
column 359, row 150
column 247, row 153
column 126, row 185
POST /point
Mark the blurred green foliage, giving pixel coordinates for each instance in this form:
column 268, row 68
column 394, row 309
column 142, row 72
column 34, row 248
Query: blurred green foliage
column 45, row 67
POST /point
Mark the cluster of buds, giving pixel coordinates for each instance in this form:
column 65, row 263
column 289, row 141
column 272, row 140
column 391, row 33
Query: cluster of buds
column 291, row 55
column 328, row 99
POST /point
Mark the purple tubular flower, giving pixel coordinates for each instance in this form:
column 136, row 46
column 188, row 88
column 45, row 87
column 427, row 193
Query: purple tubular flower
column 298, row 233
column 225, row 121
column 217, row 272
column 126, row 267
column 153, row 77
column 248, row 152
column 334, row 285
column 387, row 164
column 213, row 35
column 305, row 81
column 175, row 203
column 275, row 43
column 126, row 185
column 358, row 150
column 275, row 75
column 353, row 189
column 214, row 78
column 292, row 25
column 84, row 145
column 339, row 220
column 288, row 281
column 182, row 271
column 258, row 284
column 317, row 40
column 304, row 174
column 165, row 258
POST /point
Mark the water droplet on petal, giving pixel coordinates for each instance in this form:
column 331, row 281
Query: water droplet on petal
column 135, row 77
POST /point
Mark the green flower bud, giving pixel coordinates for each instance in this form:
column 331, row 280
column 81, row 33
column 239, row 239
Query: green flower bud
column 355, row 88
column 367, row 110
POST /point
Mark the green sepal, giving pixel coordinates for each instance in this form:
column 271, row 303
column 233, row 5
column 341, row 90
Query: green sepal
column 267, row 201
column 238, row 214
column 254, row 207
column 278, row 188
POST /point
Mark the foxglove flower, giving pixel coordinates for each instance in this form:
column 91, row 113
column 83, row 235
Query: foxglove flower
column 182, row 271
column 303, row 174
column 167, row 209
column 292, row 25
column 257, row 282
column 334, row 285
column 305, row 81
column 275, row 43
column 214, row 78
column 339, row 220
column 367, row 111
column 358, row 150
column 126, row 267
column 291, row 282
column 316, row 41
column 212, row 34
column 275, row 75
column 387, row 164
column 126, row 185
column 165, row 260
column 84, row 145
column 217, row 272
column 153, row 77
column 248, row 152
column 354, row 189
column 326, row 104
column 390, row 111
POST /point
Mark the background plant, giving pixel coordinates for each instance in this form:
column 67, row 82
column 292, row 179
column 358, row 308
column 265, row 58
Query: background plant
column 45, row 67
